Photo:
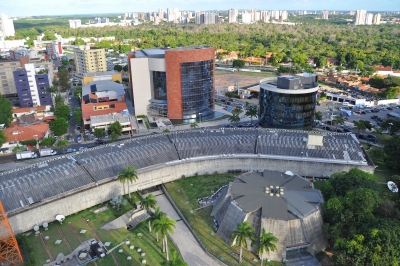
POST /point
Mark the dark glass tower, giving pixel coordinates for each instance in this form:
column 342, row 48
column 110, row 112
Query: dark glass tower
column 288, row 102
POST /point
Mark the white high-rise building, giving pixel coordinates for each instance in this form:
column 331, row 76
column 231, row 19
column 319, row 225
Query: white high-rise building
column 199, row 17
column 257, row 16
column 6, row 26
column 325, row 14
column 160, row 14
column 75, row 23
column 210, row 18
column 360, row 17
column 377, row 19
column 232, row 15
column 284, row 15
column 265, row 16
column 246, row 17
column 369, row 18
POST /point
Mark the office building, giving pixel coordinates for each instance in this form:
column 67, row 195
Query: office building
column 361, row 16
column 175, row 83
column 288, row 101
column 369, row 19
column 31, row 87
column 325, row 14
column 75, row 23
column 90, row 60
column 232, row 15
column 6, row 27
column 377, row 19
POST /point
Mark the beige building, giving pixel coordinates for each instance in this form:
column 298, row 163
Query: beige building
column 7, row 83
column 90, row 60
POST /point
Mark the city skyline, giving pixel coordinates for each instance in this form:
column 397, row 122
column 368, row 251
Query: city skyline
column 71, row 7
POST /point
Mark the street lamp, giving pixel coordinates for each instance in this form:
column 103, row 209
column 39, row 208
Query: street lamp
column 390, row 128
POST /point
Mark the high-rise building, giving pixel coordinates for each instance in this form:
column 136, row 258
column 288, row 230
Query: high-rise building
column 265, row 16
column 325, row 14
column 31, row 87
column 199, row 17
column 75, row 23
column 54, row 49
column 361, row 16
column 232, row 15
column 211, row 18
column 89, row 60
column 175, row 83
column 7, row 84
column 377, row 19
column 6, row 26
column 160, row 14
column 247, row 17
column 284, row 15
column 369, row 18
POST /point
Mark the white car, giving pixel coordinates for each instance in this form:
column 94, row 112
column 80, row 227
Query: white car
column 82, row 148
column 71, row 150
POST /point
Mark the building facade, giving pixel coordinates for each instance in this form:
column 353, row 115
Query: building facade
column 6, row 26
column 175, row 83
column 361, row 16
column 325, row 14
column 75, row 23
column 90, row 60
column 288, row 101
column 31, row 87
column 54, row 49
column 232, row 15
column 7, row 84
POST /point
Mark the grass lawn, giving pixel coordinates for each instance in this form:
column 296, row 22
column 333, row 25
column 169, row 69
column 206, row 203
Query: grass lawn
column 147, row 242
column 188, row 190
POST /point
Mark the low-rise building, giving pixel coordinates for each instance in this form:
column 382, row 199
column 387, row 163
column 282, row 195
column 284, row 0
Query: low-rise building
column 103, row 121
column 99, row 76
column 17, row 133
column 383, row 70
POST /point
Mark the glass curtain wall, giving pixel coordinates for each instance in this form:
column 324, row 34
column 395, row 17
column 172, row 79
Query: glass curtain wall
column 197, row 88
column 288, row 111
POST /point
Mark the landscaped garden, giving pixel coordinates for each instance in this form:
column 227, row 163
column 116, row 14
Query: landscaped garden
column 185, row 192
column 72, row 229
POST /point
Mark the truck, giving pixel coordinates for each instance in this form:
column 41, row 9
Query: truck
column 25, row 155
column 47, row 152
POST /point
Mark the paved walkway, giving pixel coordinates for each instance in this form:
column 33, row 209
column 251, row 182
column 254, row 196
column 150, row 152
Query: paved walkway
column 191, row 251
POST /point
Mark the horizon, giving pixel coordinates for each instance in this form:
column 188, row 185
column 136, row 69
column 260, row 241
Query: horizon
column 18, row 8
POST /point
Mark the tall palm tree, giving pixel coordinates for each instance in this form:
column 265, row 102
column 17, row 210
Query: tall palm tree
column 244, row 231
column 338, row 120
column 237, row 111
column 266, row 243
column 128, row 175
column 194, row 125
column 252, row 112
column 163, row 226
column 156, row 215
column 234, row 119
column 359, row 125
column 148, row 203
column 318, row 115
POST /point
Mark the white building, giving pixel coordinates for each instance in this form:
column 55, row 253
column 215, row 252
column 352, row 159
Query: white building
column 246, row 17
column 284, row 15
column 75, row 23
column 6, row 27
column 325, row 14
column 210, row 18
column 232, row 15
column 361, row 16
column 265, row 16
column 369, row 18
column 377, row 19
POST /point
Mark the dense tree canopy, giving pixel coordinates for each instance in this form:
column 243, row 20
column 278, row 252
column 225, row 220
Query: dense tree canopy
column 59, row 126
column 5, row 111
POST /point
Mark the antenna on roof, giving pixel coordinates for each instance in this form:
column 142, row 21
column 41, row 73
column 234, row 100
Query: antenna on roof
column 392, row 186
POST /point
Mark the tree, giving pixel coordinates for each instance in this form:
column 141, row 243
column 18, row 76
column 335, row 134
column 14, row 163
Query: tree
column 376, row 82
column 3, row 138
column 78, row 93
column 64, row 78
column 58, row 100
column 194, row 125
column 164, row 225
column 176, row 260
column 78, row 116
column 320, row 61
column 125, row 68
column 148, row 203
column 252, row 111
column 244, row 231
column 52, row 90
column 238, row 63
column 128, row 175
column 318, row 115
column 237, row 111
column 114, row 136
column 124, row 48
column 59, row 126
column 115, row 127
column 299, row 59
column 63, row 111
column 234, row 119
column 338, row 120
column 6, row 111
column 99, row 132
column 18, row 148
column 392, row 150
column 118, row 68
column 359, row 125
column 266, row 243
column 62, row 143
column 155, row 216
column 47, row 142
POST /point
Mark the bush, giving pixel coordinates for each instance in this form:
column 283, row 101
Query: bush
column 48, row 142
column 31, row 142
column 27, row 251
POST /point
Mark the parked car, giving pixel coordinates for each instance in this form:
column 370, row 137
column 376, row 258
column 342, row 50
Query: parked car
column 99, row 142
column 71, row 150
column 82, row 148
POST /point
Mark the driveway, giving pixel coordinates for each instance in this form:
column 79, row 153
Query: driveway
column 191, row 251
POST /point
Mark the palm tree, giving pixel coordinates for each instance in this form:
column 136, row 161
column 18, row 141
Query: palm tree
column 62, row 143
column 148, row 203
column 156, row 215
column 338, row 120
column 243, row 232
column 237, row 111
column 127, row 175
column 266, row 243
column 163, row 226
column 234, row 119
column 194, row 125
column 359, row 125
column 252, row 112
column 176, row 260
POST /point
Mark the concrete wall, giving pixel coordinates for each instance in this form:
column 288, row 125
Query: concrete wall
column 141, row 85
column 67, row 204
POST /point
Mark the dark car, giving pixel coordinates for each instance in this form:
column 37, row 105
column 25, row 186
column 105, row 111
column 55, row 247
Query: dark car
column 339, row 130
column 346, row 130
column 328, row 128
column 389, row 108
column 374, row 117
column 99, row 142
column 362, row 137
column 228, row 103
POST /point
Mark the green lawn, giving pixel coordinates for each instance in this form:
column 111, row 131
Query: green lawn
column 382, row 173
column 147, row 242
column 185, row 192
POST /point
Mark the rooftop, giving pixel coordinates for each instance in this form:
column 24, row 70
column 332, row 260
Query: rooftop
column 104, row 85
column 109, row 118
column 160, row 52
column 97, row 74
column 20, row 133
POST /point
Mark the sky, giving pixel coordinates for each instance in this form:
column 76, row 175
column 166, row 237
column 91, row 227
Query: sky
column 68, row 7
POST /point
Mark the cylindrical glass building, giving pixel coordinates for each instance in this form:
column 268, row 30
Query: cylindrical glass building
column 288, row 101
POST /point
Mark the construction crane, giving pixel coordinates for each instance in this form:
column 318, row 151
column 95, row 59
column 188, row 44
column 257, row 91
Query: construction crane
column 9, row 250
